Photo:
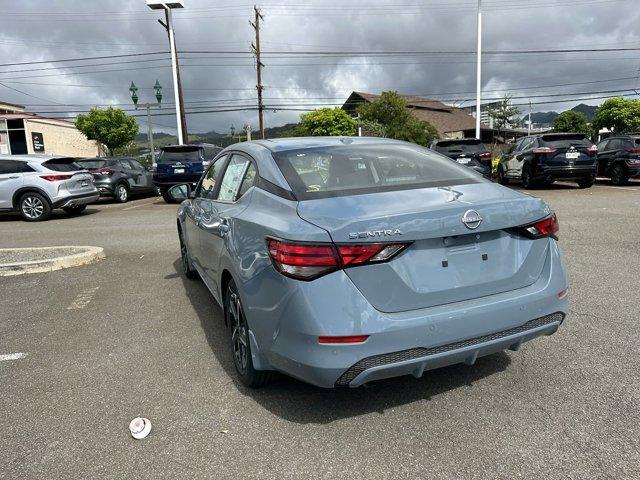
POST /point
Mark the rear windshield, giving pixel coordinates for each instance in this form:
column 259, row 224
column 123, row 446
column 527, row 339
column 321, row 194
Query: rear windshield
column 180, row 155
column 560, row 141
column 95, row 164
column 460, row 147
column 63, row 165
column 357, row 169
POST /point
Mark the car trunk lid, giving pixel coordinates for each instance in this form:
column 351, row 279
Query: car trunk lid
column 182, row 160
column 446, row 261
column 566, row 150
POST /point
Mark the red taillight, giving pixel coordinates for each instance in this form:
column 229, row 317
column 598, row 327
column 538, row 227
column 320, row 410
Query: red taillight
column 634, row 151
column 56, row 178
column 486, row 155
column 106, row 171
column 547, row 227
column 308, row 261
column 347, row 339
column 545, row 150
column 594, row 149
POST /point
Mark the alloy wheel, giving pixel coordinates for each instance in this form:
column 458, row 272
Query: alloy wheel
column 239, row 332
column 122, row 193
column 32, row 207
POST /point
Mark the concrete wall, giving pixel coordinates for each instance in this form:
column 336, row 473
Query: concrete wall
column 60, row 138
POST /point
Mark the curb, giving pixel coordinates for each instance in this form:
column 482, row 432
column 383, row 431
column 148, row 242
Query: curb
column 85, row 256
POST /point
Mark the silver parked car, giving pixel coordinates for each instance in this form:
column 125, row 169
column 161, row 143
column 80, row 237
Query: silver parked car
column 34, row 185
column 345, row 260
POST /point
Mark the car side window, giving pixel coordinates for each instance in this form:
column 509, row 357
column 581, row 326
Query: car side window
column 125, row 164
column 232, row 178
column 526, row 144
column 615, row 144
column 136, row 165
column 603, row 146
column 248, row 181
column 13, row 166
column 207, row 186
column 516, row 147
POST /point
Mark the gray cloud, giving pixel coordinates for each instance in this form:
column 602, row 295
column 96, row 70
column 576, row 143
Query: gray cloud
column 94, row 28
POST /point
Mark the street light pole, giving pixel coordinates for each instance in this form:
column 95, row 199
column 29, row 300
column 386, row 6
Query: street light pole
column 150, row 134
column 134, row 96
column 479, row 72
column 168, row 6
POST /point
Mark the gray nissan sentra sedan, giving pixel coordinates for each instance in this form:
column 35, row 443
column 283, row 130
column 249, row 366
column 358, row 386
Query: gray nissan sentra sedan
column 340, row 261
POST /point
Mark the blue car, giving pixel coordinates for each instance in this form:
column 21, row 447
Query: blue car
column 340, row 261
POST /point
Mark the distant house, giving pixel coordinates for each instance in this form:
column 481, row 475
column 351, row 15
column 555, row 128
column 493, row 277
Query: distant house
column 450, row 122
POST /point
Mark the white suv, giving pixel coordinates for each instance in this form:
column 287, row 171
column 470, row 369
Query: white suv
column 36, row 184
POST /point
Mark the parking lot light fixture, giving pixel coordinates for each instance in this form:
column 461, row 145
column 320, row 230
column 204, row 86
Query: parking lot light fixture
column 158, row 89
column 134, row 94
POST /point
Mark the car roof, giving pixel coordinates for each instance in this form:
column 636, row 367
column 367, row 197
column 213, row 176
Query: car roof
column 33, row 158
column 458, row 140
column 284, row 144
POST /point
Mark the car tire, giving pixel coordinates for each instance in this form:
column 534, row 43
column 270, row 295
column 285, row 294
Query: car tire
column 34, row 207
column 75, row 210
column 121, row 193
column 240, row 344
column 166, row 197
column 586, row 182
column 502, row 180
column 527, row 180
column 187, row 265
column 619, row 175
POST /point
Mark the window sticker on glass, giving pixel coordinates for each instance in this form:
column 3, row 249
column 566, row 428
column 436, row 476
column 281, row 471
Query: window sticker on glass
column 232, row 179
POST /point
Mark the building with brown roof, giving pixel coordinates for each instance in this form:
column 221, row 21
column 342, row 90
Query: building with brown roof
column 450, row 122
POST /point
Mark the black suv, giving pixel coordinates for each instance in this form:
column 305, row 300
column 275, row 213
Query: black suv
column 470, row 152
column 542, row 159
column 119, row 177
column 619, row 158
column 180, row 164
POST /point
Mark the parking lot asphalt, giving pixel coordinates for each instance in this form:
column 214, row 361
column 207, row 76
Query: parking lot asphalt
column 130, row 336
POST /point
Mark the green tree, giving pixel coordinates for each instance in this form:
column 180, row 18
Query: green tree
column 110, row 127
column 504, row 115
column 620, row 115
column 571, row 122
column 330, row 122
column 391, row 114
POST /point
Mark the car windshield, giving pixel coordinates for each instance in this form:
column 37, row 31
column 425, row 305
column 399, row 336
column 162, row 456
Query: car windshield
column 460, row 147
column 180, row 155
column 562, row 141
column 357, row 169
column 63, row 165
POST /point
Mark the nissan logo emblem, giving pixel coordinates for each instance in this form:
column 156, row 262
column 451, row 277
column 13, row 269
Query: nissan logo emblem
column 471, row 219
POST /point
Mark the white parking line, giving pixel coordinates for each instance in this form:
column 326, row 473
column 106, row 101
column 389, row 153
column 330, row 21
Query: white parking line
column 12, row 356
column 83, row 299
column 139, row 205
column 619, row 188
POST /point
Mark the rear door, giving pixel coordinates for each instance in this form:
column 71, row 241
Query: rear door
column 604, row 157
column 180, row 163
column 567, row 150
column 11, row 179
column 444, row 260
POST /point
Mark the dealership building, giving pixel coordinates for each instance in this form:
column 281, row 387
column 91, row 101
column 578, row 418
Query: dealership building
column 22, row 133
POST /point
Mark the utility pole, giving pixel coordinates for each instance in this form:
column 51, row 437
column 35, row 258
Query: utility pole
column 479, row 72
column 256, row 50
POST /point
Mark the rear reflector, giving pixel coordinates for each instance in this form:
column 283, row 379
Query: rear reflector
column 56, row 178
column 545, row 150
column 547, row 227
column 308, row 261
column 563, row 293
column 348, row 339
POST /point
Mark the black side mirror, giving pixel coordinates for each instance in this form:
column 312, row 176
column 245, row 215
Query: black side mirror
column 179, row 193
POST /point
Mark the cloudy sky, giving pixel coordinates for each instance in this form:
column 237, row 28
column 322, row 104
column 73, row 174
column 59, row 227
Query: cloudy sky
column 46, row 30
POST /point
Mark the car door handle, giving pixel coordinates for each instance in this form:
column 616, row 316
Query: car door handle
column 14, row 177
column 219, row 227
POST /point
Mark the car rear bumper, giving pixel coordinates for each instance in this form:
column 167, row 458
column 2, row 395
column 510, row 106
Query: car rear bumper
column 166, row 182
column 565, row 173
column 78, row 199
column 402, row 343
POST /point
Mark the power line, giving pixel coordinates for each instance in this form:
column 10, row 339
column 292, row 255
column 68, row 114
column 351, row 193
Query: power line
column 102, row 57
